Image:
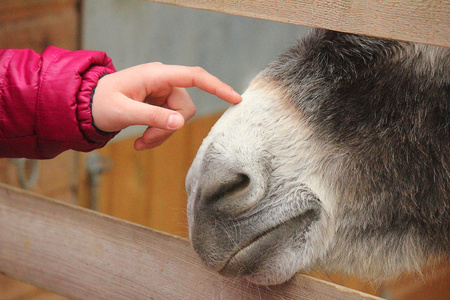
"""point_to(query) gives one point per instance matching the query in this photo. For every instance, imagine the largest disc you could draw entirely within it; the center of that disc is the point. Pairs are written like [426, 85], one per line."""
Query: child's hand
[152, 94]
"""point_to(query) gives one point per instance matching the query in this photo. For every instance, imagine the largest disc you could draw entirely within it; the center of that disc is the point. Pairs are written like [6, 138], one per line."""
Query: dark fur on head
[387, 105]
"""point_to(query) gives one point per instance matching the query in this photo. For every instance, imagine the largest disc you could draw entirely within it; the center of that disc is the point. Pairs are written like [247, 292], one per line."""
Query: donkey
[337, 158]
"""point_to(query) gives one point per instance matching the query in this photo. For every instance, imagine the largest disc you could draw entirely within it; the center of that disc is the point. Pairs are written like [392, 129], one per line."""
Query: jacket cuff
[84, 108]
[63, 114]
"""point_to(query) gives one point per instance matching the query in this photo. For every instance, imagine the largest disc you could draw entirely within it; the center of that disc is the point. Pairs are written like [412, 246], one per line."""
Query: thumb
[128, 112]
[140, 113]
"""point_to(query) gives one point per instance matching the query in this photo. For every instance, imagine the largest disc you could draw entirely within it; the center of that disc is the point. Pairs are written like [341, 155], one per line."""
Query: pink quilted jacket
[45, 101]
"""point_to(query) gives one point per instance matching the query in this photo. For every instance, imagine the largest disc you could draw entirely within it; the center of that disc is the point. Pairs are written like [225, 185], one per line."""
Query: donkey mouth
[262, 251]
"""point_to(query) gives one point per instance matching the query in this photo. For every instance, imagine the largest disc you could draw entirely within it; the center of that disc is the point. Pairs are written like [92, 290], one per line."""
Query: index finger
[170, 76]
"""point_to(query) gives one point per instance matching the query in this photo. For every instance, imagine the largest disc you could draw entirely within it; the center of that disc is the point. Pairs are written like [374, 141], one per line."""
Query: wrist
[102, 132]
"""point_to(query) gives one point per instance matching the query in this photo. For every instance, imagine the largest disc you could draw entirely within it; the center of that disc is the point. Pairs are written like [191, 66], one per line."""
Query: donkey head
[338, 157]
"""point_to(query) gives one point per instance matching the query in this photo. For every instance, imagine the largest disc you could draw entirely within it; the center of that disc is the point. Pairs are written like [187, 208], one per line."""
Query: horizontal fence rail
[83, 254]
[421, 21]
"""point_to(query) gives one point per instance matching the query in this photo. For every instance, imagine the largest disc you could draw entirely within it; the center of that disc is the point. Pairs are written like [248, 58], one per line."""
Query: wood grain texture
[36, 24]
[148, 187]
[56, 178]
[168, 199]
[422, 21]
[431, 283]
[12, 289]
[82, 254]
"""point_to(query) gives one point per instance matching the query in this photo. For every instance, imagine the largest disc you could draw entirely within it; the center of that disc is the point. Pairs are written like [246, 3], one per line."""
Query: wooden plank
[148, 187]
[36, 25]
[167, 171]
[430, 283]
[83, 254]
[196, 131]
[349, 281]
[12, 289]
[422, 21]
[123, 187]
[55, 176]
[13, 9]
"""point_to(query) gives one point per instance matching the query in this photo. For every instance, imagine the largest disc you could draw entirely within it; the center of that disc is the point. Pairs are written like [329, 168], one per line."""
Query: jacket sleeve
[45, 101]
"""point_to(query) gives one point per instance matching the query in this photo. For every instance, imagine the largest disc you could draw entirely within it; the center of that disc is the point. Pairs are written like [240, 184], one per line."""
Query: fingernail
[236, 94]
[175, 121]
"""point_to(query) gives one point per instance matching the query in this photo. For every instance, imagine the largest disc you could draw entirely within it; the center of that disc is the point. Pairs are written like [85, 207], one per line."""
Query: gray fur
[338, 157]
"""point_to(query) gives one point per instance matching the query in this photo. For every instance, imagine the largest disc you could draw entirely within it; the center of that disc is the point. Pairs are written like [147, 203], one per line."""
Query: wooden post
[421, 21]
[83, 254]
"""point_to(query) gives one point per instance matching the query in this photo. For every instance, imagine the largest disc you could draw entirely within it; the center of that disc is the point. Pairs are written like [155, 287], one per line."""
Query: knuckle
[198, 70]
[192, 111]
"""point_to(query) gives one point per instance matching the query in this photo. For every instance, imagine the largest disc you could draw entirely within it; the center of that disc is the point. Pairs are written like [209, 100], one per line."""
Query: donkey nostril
[226, 187]
[226, 190]
[235, 185]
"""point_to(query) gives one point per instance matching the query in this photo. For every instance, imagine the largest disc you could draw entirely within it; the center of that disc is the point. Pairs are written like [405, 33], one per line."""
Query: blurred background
[148, 187]
[233, 48]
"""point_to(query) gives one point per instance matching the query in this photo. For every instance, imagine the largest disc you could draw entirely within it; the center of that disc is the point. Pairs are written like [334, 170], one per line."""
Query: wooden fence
[87, 255]
[421, 21]
[83, 254]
